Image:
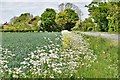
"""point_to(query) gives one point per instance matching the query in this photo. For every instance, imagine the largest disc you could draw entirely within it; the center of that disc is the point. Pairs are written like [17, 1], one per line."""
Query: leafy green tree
[48, 20]
[67, 19]
[98, 11]
[88, 24]
[113, 16]
[72, 17]
[77, 27]
[34, 23]
[61, 20]
[63, 6]
[21, 23]
[24, 23]
[106, 15]
[24, 17]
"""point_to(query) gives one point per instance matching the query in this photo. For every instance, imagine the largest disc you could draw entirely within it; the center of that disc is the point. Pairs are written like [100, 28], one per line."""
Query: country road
[106, 35]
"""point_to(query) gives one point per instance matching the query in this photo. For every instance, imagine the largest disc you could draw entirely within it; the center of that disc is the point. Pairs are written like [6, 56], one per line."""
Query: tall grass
[106, 65]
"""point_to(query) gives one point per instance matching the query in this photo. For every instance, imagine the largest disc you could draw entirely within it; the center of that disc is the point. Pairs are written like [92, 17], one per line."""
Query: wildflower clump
[5, 57]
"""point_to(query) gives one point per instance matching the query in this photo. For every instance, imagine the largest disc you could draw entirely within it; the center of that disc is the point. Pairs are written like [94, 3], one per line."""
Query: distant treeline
[104, 17]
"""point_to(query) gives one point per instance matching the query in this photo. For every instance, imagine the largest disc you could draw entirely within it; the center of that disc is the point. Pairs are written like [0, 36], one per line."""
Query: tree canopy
[103, 16]
[106, 15]
[25, 22]
[64, 6]
[67, 19]
[48, 20]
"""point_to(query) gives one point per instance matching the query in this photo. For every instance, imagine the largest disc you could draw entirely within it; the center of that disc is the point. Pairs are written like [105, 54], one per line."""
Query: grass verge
[106, 65]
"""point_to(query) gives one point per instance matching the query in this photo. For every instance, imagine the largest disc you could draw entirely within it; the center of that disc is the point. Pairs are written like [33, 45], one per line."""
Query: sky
[11, 8]
[46, 0]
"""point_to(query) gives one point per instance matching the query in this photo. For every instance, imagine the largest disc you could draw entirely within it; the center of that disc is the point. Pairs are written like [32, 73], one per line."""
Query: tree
[63, 6]
[72, 17]
[68, 5]
[61, 20]
[105, 14]
[98, 11]
[88, 24]
[24, 17]
[67, 19]
[113, 16]
[12, 21]
[24, 22]
[34, 23]
[48, 20]
[77, 26]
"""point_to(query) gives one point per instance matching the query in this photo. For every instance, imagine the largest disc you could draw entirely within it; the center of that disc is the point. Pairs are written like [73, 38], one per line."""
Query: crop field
[57, 55]
[21, 44]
